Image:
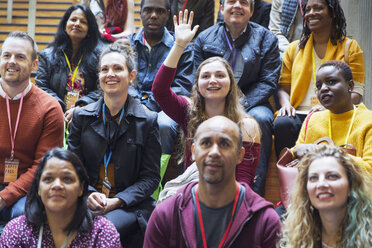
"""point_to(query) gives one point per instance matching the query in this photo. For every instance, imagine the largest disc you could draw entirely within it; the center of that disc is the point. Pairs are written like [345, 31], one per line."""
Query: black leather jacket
[136, 154]
[52, 73]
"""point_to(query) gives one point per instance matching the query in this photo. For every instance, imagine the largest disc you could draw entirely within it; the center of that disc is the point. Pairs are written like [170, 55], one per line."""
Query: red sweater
[40, 129]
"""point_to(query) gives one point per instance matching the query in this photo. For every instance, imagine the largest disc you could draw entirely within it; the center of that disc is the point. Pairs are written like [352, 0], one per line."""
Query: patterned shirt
[19, 233]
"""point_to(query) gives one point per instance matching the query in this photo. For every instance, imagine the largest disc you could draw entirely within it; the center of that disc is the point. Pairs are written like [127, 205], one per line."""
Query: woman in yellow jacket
[323, 38]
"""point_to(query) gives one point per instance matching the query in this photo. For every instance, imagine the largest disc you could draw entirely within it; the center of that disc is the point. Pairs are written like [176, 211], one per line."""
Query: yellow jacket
[297, 69]
[360, 135]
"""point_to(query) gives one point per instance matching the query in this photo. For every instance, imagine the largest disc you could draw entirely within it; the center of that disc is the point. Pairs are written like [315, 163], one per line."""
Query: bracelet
[177, 44]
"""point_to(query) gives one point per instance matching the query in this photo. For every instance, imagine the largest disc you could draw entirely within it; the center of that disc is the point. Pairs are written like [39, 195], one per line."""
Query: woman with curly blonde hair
[214, 92]
[331, 203]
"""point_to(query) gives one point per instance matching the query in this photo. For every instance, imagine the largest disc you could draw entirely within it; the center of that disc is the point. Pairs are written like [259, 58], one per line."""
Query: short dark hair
[24, 36]
[34, 208]
[167, 4]
[63, 42]
[341, 66]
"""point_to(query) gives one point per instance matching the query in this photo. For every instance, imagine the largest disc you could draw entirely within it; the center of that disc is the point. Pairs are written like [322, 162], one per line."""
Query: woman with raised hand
[117, 139]
[214, 92]
[56, 212]
[331, 203]
[67, 68]
[323, 38]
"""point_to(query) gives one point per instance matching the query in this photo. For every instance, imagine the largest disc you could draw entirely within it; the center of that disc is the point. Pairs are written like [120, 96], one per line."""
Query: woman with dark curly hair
[331, 203]
[56, 212]
[323, 38]
[68, 66]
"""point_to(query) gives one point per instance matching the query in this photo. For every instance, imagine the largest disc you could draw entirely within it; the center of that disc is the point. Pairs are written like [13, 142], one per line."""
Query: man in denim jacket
[152, 45]
[253, 53]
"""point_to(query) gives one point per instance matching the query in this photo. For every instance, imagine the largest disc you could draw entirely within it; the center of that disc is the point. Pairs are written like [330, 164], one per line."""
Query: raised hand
[182, 28]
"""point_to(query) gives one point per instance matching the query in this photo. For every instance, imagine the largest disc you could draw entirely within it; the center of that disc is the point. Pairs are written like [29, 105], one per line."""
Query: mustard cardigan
[360, 135]
[297, 69]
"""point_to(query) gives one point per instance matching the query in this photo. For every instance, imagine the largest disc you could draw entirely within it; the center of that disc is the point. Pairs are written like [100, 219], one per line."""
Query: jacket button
[139, 214]
[129, 139]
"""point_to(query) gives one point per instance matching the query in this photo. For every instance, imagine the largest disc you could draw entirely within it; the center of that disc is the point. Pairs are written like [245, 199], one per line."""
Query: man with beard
[152, 45]
[31, 123]
[218, 211]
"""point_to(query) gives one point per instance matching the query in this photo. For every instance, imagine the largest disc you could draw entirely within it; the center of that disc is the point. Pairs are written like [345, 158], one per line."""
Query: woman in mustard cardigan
[323, 38]
[343, 122]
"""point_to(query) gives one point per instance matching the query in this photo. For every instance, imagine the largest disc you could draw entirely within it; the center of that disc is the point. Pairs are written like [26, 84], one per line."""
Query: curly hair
[338, 31]
[302, 225]
[233, 109]
[123, 47]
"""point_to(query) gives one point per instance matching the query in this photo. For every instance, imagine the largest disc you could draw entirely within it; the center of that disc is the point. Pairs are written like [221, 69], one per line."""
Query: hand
[287, 109]
[317, 108]
[300, 150]
[182, 29]
[97, 202]
[69, 113]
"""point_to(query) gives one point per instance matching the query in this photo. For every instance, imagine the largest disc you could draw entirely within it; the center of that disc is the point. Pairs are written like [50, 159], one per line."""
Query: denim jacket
[260, 54]
[149, 62]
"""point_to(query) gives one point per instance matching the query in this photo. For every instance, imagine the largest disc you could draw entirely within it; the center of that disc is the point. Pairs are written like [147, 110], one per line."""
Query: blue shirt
[148, 63]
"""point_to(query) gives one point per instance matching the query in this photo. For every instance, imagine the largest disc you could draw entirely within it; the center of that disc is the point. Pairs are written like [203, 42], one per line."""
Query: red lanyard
[12, 137]
[184, 7]
[201, 219]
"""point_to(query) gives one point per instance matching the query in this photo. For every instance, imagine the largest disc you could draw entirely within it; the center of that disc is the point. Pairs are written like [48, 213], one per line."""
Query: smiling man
[152, 45]
[31, 123]
[218, 211]
[253, 54]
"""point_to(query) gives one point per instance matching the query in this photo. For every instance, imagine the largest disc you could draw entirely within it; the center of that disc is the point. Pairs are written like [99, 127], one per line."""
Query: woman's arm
[286, 107]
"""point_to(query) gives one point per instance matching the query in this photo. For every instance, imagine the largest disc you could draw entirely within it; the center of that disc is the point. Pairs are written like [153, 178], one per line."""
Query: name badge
[314, 101]
[11, 170]
[71, 98]
[106, 187]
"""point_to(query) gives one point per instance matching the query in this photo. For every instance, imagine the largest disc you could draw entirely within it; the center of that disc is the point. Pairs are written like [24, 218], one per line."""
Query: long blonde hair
[302, 225]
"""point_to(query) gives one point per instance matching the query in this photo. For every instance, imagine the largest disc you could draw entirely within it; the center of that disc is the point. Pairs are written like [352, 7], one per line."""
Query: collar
[133, 108]
[28, 88]
[242, 39]
[167, 39]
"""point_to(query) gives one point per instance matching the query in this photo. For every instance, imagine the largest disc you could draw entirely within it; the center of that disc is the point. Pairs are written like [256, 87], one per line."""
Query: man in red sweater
[31, 123]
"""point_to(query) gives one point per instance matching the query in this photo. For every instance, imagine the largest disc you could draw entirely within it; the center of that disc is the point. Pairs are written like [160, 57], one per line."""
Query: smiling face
[333, 91]
[236, 13]
[77, 26]
[317, 15]
[16, 62]
[215, 150]
[114, 77]
[327, 185]
[154, 16]
[214, 81]
[59, 187]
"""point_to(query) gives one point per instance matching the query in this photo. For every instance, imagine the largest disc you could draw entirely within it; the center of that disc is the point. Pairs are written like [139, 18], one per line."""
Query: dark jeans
[286, 131]
[264, 117]
[13, 211]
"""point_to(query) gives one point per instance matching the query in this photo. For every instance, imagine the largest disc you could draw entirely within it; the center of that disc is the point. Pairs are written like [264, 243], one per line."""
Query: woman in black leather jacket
[117, 139]
[68, 66]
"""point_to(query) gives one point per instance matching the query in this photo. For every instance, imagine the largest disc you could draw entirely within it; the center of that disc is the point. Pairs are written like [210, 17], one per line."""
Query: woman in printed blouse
[215, 92]
[56, 212]
[67, 68]
[323, 38]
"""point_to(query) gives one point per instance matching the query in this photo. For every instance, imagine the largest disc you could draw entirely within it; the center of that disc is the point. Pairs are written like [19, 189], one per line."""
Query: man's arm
[183, 80]
[275, 23]
[51, 136]
[157, 234]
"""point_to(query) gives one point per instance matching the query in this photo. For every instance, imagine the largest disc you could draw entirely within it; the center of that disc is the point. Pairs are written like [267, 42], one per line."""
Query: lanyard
[201, 218]
[12, 137]
[314, 71]
[233, 50]
[41, 237]
[106, 159]
[75, 71]
[184, 6]
[351, 125]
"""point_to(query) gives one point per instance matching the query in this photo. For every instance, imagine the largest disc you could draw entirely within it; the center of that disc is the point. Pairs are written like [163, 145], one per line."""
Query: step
[40, 20]
[15, 5]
